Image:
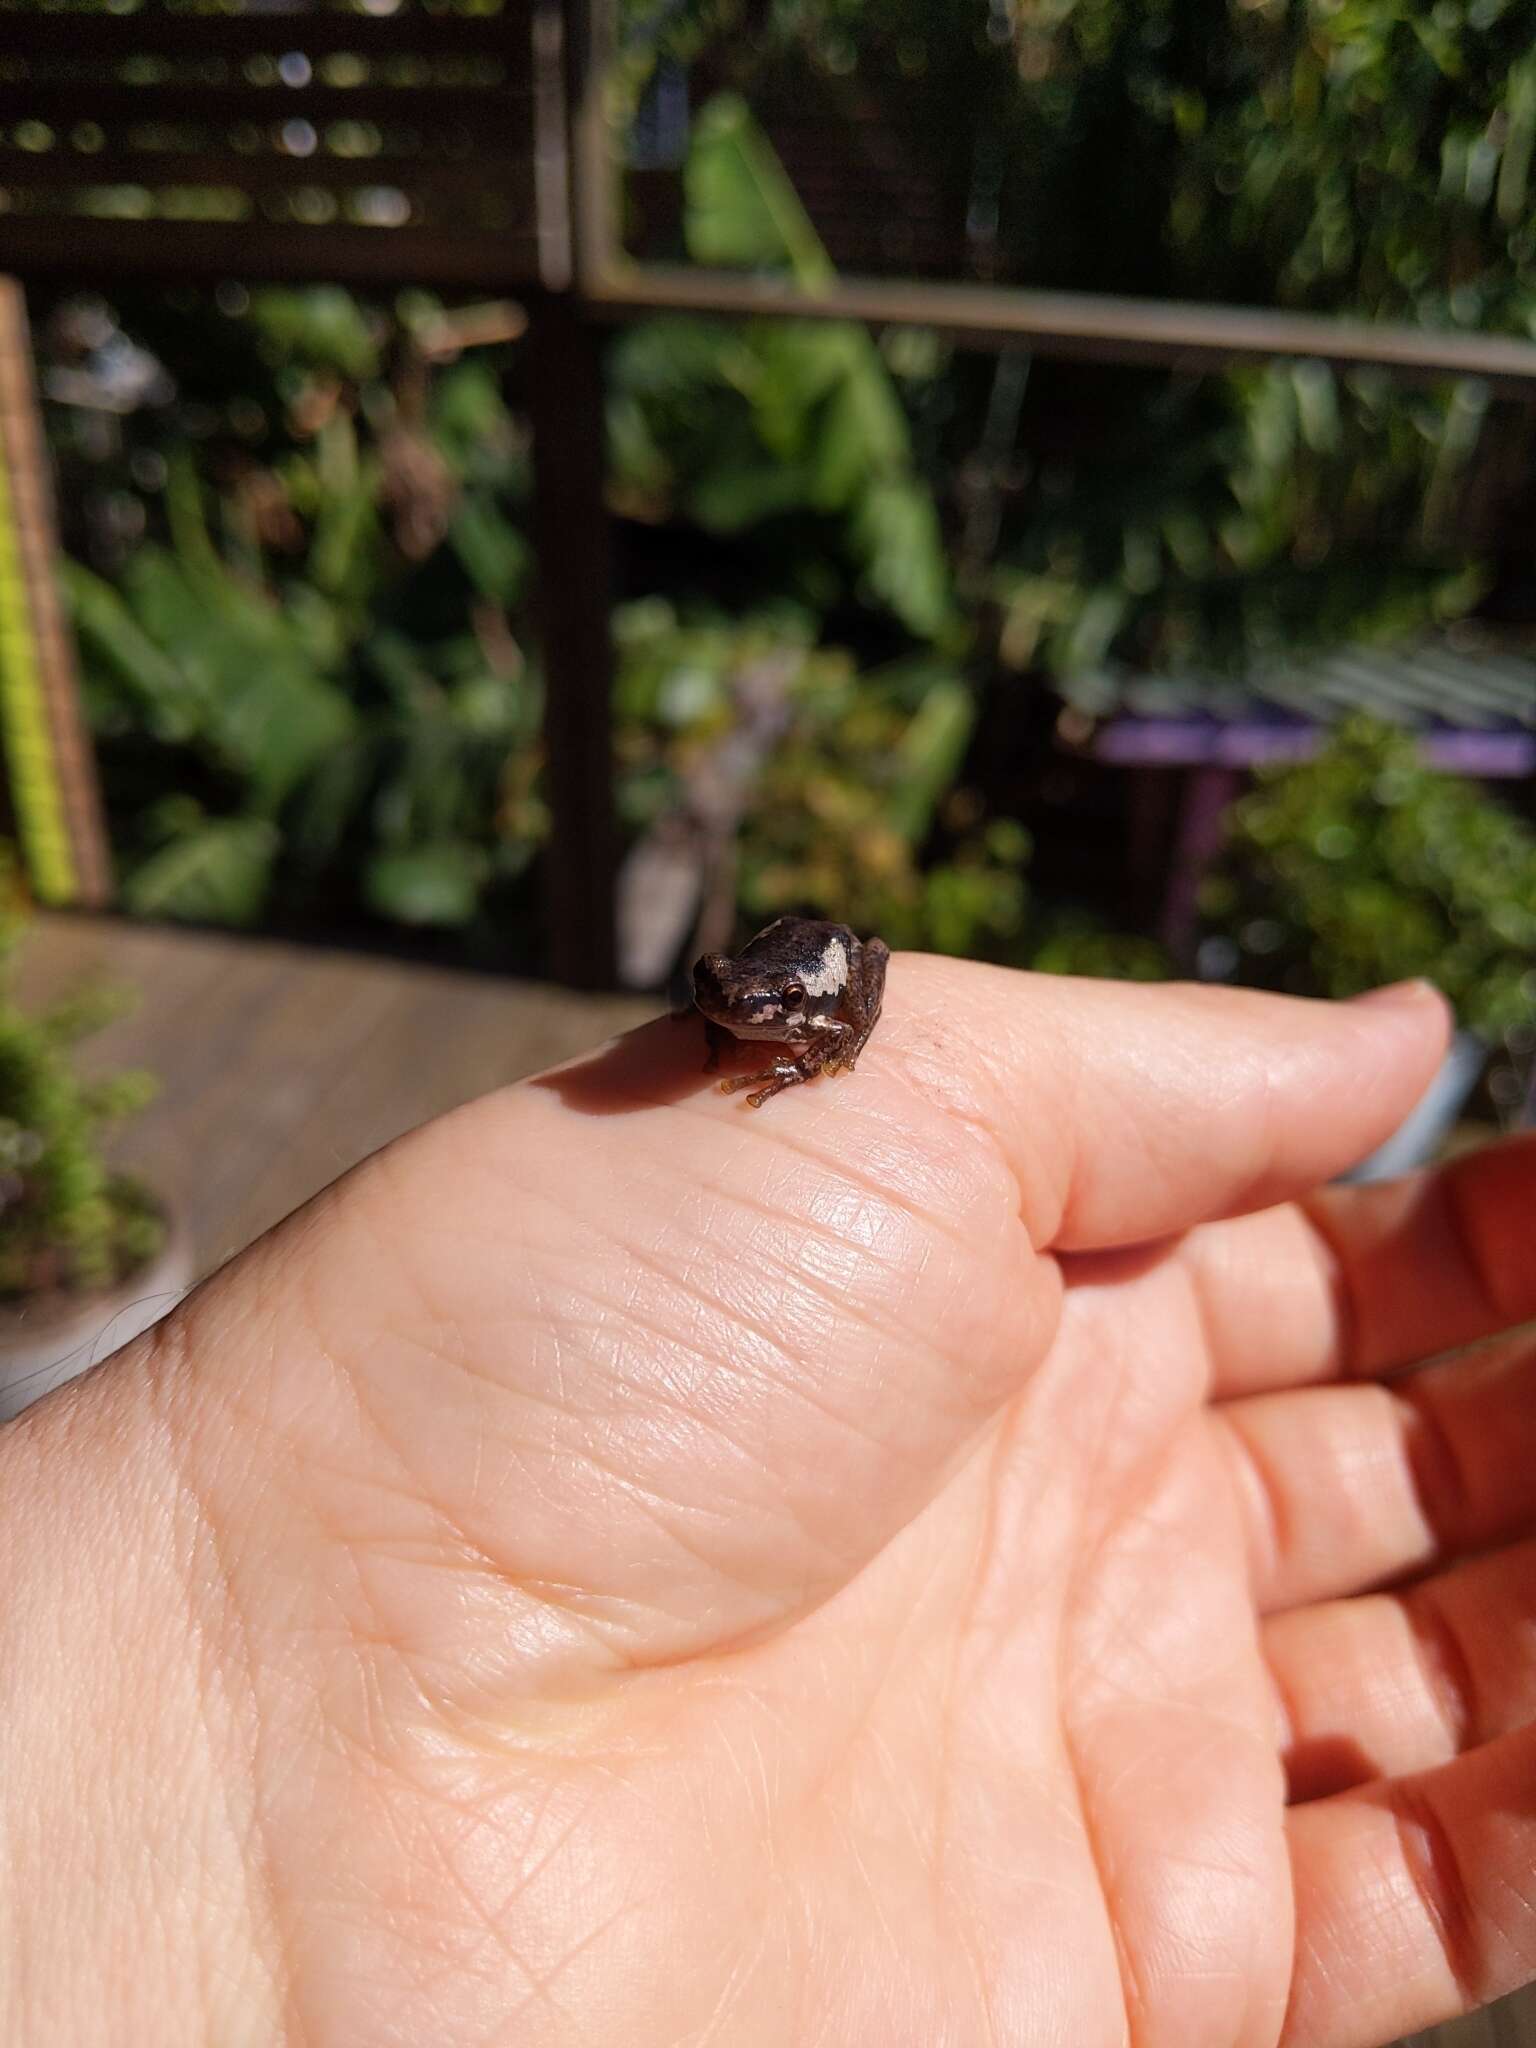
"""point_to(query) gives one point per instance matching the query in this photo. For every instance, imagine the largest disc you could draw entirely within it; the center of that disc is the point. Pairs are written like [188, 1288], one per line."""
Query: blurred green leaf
[429, 885]
[216, 871]
[928, 757]
[742, 210]
[496, 558]
[321, 326]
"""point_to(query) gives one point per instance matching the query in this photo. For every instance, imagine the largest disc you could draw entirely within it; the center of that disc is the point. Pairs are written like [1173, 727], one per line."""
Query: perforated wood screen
[420, 141]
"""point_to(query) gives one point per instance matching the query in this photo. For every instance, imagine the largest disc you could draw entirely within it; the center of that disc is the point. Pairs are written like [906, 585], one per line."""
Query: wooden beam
[501, 116]
[1166, 332]
[90, 249]
[463, 177]
[74, 36]
[575, 572]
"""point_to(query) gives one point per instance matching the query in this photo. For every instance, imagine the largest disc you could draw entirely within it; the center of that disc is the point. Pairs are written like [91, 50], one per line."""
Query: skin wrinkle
[262, 1891]
[1132, 1992]
[789, 1270]
[1286, 1719]
[1261, 1488]
[1444, 1667]
[834, 1231]
[1093, 1456]
[889, 1191]
[785, 1381]
[1431, 1861]
[1442, 1486]
[1133, 1770]
[766, 1330]
[1342, 1287]
[942, 1816]
[1204, 1347]
[163, 1361]
[348, 1546]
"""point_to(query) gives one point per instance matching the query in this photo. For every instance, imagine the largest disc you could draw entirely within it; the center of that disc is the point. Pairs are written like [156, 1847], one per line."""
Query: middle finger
[1348, 1487]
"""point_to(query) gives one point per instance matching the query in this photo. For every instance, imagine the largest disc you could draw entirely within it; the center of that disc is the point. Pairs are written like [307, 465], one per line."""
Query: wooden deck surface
[282, 1066]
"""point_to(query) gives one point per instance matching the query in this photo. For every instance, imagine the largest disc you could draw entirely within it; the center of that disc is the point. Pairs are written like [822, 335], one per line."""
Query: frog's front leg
[861, 1004]
[784, 1073]
[717, 1038]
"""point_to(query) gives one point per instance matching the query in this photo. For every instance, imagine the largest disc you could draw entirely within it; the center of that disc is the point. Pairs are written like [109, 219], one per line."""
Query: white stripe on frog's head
[830, 975]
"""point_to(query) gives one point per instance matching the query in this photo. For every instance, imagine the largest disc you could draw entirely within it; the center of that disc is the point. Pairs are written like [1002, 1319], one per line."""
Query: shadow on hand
[656, 1063]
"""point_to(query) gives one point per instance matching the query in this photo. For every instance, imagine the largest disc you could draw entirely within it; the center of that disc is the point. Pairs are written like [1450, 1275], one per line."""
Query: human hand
[621, 1567]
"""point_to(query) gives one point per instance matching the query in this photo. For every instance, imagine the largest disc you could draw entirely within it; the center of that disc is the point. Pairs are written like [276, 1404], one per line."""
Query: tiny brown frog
[808, 986]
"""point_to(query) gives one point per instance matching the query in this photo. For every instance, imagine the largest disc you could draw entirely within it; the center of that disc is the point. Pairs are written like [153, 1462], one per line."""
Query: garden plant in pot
[88, 1255]
[1363, 866]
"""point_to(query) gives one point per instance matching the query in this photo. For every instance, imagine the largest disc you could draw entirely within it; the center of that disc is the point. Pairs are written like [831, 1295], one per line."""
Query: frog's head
[751, 1000]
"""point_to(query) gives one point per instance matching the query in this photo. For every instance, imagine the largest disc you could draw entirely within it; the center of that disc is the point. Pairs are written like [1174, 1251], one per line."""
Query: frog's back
[795, 938]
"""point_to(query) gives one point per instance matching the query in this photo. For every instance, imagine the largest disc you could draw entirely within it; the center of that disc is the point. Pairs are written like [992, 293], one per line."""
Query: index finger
[1359, 1283]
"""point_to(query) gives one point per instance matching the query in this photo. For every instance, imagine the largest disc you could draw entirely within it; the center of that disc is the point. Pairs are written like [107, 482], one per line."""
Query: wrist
[129, 1900]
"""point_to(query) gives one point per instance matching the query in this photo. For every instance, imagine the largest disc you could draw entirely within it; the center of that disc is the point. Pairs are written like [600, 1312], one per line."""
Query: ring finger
[1393, 1683]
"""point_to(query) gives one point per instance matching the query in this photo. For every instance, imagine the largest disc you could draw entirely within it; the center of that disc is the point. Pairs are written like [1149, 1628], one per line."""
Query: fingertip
[1413, 1024]
[1417, 998]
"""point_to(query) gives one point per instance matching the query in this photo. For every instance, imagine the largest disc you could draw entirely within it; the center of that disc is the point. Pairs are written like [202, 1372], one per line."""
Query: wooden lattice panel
[420, 141]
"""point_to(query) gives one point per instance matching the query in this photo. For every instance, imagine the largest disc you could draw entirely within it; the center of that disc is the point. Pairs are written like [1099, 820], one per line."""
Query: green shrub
[1364, 866]
[67, 1221]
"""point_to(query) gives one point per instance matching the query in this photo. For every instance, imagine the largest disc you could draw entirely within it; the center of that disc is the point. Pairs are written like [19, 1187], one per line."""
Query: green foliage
[1075, 943]
[854, 813]
[66, 1220]
[1363, 866]
[1370, 157]
[795, 426]
[317, 694]
[1240, 520]
[203, 870]
[305, 646]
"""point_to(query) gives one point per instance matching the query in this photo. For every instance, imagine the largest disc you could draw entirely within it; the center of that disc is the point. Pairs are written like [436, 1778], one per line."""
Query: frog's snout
[707, 982]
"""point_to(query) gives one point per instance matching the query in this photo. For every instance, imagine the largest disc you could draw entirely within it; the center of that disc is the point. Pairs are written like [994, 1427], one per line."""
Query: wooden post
[575, 572]
[49, 763]
[572, 531]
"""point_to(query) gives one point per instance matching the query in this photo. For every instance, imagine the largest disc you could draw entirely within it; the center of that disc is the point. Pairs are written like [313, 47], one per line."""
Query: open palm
[894, 1567]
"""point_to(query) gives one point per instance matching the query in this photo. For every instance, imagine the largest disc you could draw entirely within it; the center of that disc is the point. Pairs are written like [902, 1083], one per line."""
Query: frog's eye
[792, 996]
